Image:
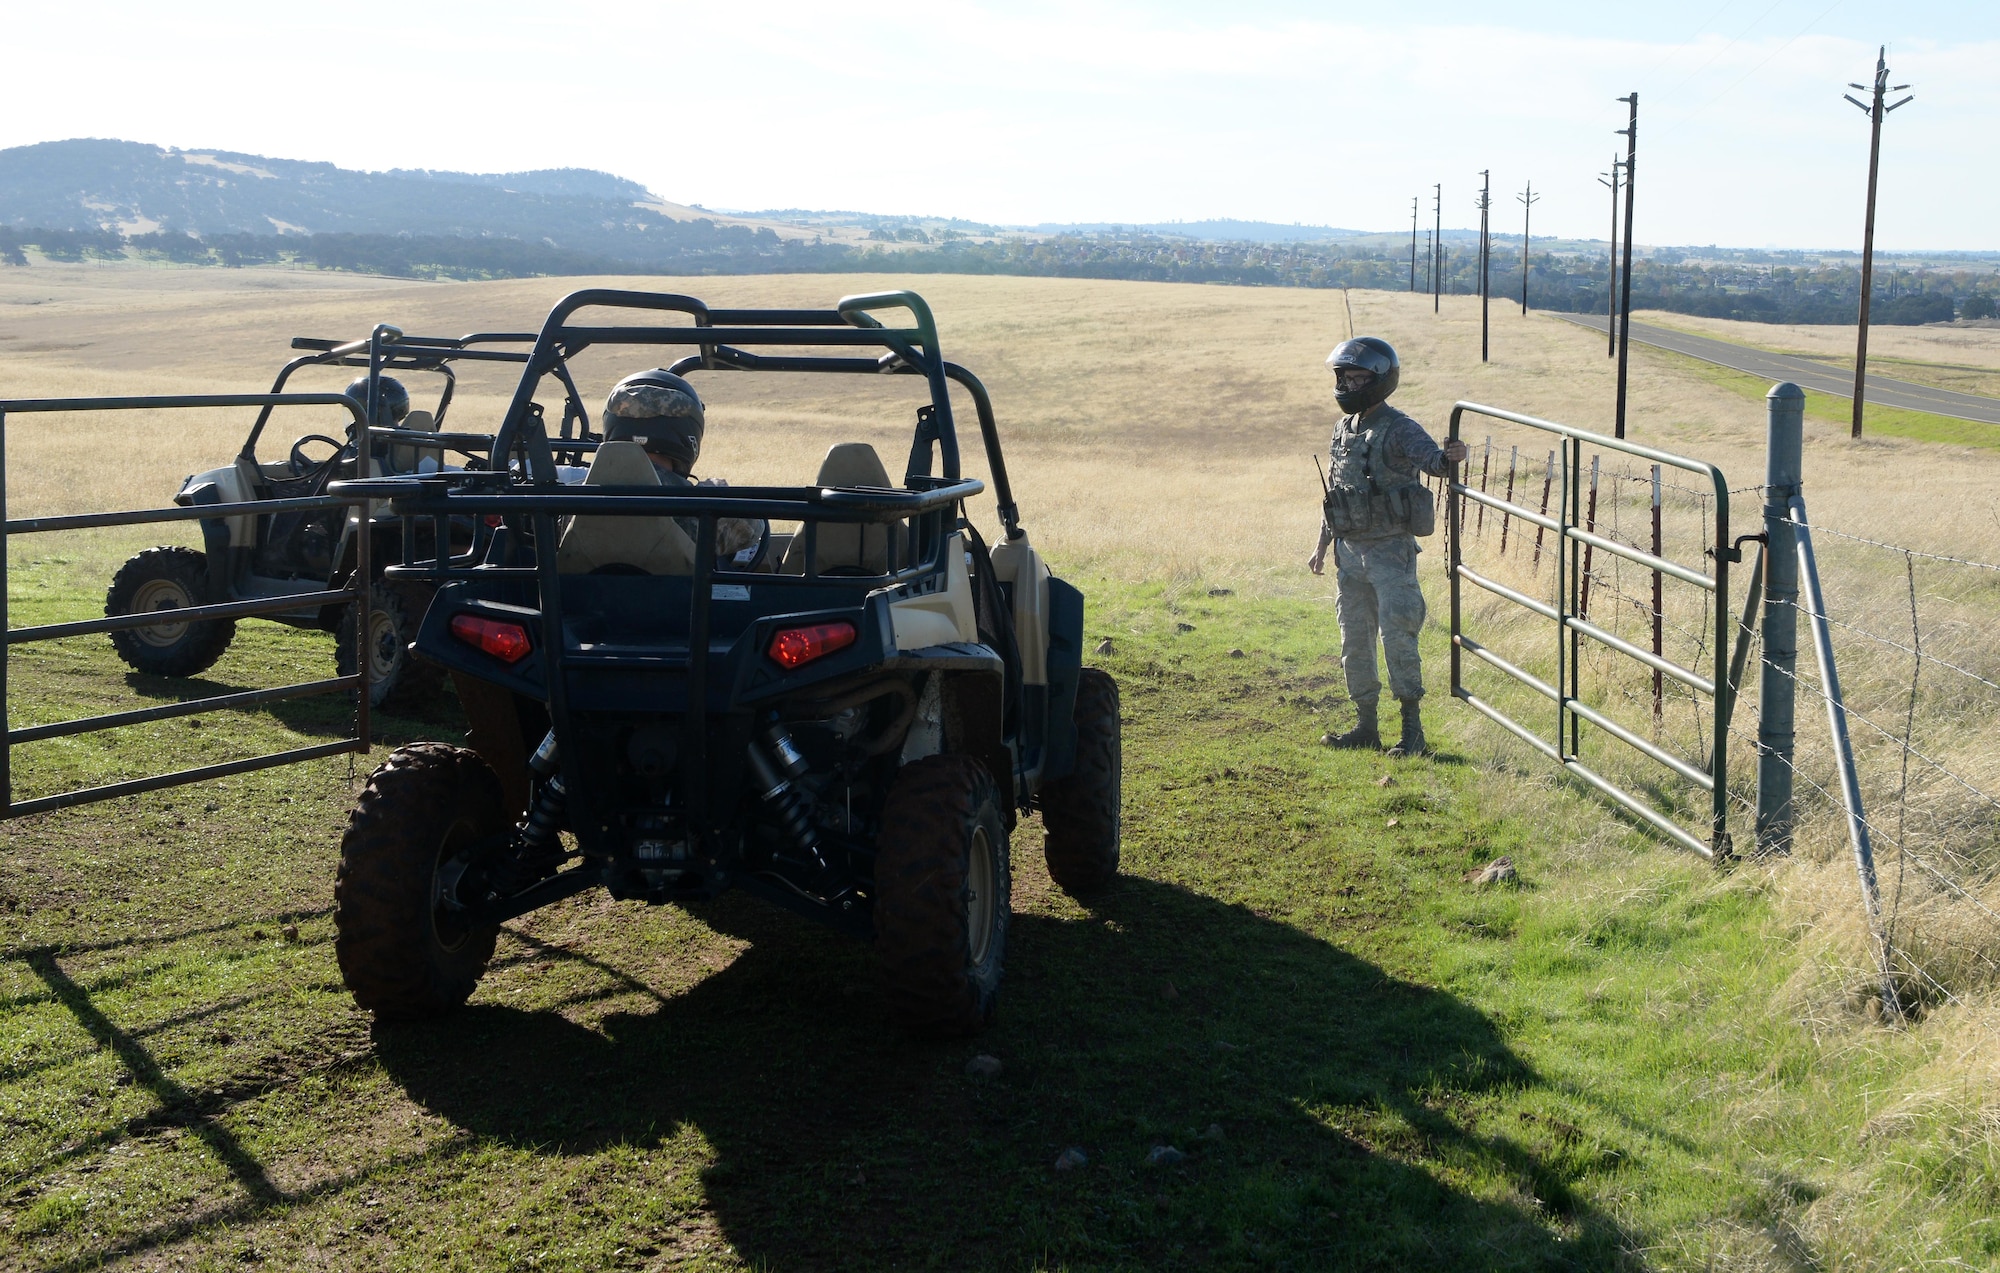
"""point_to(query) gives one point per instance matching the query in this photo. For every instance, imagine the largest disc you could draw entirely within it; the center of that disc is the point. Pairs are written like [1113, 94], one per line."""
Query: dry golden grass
[1153, 431]
[1145, 423]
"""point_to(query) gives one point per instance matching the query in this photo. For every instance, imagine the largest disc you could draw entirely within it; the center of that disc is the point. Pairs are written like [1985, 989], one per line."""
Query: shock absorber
[778, 787]
[544, 820]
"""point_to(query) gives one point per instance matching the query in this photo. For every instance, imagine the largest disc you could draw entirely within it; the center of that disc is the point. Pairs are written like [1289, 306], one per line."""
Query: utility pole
[1875, 111]
[1613, 179]
[1413, 244]
[1430, 261]
[1631, 134]
[1528, 200]
[1485, 258]
[1437, 247]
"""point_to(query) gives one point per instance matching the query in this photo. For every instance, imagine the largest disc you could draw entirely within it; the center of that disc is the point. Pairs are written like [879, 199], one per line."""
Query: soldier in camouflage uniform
[1376, 506]
[662, 413]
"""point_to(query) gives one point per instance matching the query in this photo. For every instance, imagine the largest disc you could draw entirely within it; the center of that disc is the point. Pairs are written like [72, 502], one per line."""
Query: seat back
[654, 545]
[849, 548]
[404, 456]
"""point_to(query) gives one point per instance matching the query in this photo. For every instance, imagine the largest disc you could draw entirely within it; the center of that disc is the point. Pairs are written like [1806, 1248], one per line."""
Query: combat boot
[1366, 734]
[1412, 742]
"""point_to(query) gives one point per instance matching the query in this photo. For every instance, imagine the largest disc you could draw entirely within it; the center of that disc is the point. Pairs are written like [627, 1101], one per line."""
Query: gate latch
[1734, 554]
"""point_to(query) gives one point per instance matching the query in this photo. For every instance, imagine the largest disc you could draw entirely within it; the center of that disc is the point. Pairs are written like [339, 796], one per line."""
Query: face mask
[1354, 397]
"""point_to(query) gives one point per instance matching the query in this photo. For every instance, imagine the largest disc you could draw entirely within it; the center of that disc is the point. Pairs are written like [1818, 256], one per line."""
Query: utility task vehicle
[848, 724]
[291, 552]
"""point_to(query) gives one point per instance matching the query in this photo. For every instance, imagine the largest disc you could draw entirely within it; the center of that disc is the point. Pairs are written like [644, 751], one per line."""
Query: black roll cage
[386, 349]
[928, 508]
[718, 335]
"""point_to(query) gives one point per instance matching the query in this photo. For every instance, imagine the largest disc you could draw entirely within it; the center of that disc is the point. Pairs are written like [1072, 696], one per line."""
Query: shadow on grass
[323, 715]
[1165, 1018]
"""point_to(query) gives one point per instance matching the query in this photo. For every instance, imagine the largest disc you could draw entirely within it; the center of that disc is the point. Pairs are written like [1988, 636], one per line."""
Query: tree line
[1576, 283]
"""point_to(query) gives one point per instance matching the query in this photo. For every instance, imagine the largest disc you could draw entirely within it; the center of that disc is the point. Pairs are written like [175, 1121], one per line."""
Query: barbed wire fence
[1919, 678]
[1921, 704]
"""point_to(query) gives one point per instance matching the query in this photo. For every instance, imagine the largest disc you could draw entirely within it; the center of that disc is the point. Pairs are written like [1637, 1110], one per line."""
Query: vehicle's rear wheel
[942, 895]
[1081, 811]
[404, 952]
[397, 680]
[166, 579]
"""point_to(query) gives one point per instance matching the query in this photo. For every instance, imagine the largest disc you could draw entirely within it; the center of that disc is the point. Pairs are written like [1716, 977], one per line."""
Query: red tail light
[796, 647]
[505, 641]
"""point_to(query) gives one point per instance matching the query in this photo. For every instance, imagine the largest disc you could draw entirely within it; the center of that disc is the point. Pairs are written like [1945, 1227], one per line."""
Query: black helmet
[1365, 353]
[392, 401]
[658, 410]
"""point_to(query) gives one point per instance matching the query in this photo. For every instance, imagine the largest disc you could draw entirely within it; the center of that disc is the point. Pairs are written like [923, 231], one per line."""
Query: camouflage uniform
[1375, 569]
[736, 538]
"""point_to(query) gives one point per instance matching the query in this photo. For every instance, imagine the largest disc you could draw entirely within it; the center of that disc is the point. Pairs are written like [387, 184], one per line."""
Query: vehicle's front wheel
[396, 679]
[1081, 811]
[405, 951]
[942, 895]
[166, 579]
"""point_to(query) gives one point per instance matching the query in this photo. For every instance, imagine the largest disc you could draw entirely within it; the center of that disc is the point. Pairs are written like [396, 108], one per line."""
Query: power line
[1528, 199]
[1437, 248]
[1614, 179]
[1413, 244]
[1631, 134]
[1875, 110]
[1485, 258]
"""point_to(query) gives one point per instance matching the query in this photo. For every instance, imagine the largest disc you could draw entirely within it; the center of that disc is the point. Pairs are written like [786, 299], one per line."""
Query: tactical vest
[1371, 496]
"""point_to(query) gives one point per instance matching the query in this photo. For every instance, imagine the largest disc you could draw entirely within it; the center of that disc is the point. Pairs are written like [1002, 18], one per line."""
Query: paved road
[1808, 373]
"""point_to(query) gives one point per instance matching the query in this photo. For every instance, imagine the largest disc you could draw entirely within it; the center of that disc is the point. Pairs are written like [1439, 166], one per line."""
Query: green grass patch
[1961, 377]
[1365, 1061]
[1876, 421]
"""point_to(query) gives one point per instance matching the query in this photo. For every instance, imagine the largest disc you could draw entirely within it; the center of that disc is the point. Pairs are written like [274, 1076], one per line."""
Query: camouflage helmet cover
[658, 410]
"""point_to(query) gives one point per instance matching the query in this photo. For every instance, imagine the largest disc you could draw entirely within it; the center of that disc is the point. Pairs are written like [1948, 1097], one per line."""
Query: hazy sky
[1332, 113]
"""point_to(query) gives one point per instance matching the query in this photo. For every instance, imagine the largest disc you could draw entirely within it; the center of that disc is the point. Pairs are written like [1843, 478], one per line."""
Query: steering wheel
[301, 465]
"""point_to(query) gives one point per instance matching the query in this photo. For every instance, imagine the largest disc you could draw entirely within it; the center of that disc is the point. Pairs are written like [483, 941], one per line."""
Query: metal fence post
[6, 650]
[1778, 685]
[1659, 610]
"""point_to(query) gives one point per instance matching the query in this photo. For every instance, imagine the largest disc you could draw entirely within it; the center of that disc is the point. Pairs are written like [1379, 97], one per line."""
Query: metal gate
[356, 592]
[1571, 627]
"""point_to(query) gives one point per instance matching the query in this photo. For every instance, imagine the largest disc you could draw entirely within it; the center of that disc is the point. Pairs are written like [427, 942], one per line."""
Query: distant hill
[105, 200]
[93, 185]
[568, 183]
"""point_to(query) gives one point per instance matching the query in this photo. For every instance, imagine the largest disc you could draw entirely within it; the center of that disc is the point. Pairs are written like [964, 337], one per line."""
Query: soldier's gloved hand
[1317, 562]
[1455, 451]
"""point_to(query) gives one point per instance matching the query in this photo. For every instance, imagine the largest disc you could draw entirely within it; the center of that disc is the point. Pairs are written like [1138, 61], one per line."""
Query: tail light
[796, 647]
[505, 641]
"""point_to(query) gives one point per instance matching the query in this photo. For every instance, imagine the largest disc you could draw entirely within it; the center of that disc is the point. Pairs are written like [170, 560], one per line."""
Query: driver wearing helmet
[1376, 506]
[392, 404]
[663, 414]
[392, 401]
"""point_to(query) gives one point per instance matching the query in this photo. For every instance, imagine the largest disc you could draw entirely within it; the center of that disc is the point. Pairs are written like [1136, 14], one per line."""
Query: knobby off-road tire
[401, 953]
[1081, 811]
[166, 579]
[396, 679]
[942, 895]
